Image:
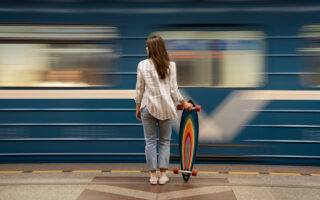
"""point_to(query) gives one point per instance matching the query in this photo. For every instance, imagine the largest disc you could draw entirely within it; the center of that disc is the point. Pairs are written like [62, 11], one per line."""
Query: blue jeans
[150, 134]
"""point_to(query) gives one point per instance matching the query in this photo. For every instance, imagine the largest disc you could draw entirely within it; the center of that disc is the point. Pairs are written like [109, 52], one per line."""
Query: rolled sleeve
[174, 91]
[139, 85]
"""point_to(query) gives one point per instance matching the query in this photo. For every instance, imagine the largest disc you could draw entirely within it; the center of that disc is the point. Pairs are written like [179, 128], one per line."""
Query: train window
[311, 52]
[56, 55]
[219, 59]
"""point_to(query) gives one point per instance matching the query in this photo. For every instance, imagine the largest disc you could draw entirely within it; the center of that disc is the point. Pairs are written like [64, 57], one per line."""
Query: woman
[156, 95]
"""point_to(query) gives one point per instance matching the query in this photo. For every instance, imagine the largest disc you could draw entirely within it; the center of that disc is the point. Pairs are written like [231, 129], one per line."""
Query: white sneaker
[153, 179]
[163, 179]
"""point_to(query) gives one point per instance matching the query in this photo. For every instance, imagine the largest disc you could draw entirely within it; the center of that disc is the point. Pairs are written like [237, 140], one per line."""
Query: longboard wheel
[179, 107]
[194, 172]
[198, 108]
[176, 170]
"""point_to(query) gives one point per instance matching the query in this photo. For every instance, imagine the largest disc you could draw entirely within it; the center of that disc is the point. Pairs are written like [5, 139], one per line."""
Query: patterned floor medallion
[133, 188]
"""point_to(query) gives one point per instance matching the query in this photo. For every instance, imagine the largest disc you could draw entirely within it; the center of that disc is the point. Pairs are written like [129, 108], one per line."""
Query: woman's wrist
[183, 102]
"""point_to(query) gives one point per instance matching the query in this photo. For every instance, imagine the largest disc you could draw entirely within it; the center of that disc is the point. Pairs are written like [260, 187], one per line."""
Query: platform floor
[130, 181]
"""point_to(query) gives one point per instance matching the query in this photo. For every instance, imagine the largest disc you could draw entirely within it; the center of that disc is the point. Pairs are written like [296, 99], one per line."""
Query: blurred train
[68, 76]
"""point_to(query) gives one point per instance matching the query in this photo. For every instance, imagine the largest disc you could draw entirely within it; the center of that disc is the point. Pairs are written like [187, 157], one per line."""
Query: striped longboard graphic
[188, 140]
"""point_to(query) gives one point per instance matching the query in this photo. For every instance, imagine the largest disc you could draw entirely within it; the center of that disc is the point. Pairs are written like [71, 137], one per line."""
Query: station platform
[130, 182]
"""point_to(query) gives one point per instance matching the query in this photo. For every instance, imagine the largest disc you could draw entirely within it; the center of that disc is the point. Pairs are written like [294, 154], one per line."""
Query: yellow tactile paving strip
[284, 174]
[246, 173]
[11, 172]
[139, 171]
[315, 174]
[46, 171]
[86, 171]
[125, 171]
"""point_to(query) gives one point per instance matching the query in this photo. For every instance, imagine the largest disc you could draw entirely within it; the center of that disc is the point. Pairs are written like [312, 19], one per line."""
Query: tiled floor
[130, 181]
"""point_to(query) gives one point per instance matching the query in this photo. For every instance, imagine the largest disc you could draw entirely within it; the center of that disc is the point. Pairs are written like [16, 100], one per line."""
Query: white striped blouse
[160, 96]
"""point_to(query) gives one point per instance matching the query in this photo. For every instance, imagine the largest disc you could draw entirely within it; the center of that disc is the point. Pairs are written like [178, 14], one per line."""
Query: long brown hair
[159, 56]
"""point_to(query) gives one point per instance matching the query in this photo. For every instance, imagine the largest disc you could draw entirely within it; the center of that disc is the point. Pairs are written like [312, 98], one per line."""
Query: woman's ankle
[163, 170]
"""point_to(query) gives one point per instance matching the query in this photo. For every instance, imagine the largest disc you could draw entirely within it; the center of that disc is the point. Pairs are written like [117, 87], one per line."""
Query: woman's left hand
[138, 114]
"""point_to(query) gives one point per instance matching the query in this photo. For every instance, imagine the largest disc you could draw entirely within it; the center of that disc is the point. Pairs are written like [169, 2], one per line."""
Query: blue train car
[68, 75]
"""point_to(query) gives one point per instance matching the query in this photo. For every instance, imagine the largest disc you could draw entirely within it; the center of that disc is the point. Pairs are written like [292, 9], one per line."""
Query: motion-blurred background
[68, 75]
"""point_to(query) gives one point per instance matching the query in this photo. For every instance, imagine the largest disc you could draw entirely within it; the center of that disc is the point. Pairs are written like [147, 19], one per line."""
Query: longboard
[188, 141]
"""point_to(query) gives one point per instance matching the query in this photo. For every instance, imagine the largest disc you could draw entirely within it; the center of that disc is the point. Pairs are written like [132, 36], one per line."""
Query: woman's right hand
[138, 115]
[138, 112]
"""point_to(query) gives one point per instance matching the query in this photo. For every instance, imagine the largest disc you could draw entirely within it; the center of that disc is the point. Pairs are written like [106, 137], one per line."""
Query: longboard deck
[188, 140]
